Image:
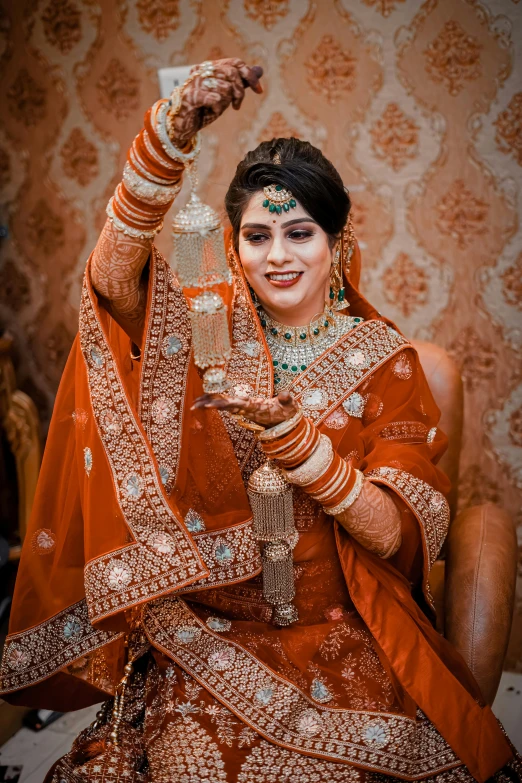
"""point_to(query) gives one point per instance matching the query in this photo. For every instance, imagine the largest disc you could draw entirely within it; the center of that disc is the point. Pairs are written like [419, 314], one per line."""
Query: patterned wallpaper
[417, 104]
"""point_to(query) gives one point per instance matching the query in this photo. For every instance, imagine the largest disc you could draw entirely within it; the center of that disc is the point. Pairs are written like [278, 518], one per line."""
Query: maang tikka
[277, 198]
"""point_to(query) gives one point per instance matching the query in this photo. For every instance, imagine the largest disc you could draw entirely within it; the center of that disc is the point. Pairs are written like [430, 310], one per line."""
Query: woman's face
[286, 259]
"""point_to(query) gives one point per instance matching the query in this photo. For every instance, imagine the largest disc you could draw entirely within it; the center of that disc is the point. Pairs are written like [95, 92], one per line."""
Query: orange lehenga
[142, 535]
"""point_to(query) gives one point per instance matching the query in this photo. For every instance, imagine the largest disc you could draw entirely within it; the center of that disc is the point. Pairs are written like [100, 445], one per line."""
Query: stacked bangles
[309, 461]
[151, 177]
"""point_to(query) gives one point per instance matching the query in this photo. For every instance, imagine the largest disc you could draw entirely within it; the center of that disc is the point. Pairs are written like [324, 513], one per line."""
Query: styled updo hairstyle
[313, 181]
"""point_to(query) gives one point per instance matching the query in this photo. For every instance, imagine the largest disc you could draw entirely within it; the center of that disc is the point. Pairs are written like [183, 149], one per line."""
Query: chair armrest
[481, 565]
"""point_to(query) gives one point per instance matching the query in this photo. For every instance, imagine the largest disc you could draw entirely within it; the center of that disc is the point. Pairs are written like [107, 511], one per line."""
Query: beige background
[415, 103]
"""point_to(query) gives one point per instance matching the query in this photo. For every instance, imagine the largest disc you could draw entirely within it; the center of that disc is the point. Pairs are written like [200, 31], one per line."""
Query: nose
[278, 253]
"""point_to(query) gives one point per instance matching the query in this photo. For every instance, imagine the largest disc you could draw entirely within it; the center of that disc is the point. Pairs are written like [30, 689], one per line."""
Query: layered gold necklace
[294, 348]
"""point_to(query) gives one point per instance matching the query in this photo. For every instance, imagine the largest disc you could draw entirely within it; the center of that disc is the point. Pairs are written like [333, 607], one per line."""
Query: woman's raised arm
[151, 181]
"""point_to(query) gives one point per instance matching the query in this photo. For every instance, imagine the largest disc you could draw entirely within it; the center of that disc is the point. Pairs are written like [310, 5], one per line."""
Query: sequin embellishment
[87, 460]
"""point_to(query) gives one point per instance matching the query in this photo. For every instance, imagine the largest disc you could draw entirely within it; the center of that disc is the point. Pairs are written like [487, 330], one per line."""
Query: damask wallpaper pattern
[417, 103]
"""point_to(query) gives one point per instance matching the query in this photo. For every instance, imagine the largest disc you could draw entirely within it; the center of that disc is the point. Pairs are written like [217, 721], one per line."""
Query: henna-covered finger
[252, 76]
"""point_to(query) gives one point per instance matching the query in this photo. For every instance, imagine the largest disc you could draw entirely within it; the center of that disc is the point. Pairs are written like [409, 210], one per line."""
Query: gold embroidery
[136, 572]
[165, 361]
[34, 655]
[333, 378]
[284, 714]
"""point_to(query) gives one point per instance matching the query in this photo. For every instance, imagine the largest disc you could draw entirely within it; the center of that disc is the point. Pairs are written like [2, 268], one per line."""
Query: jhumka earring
[342, 258]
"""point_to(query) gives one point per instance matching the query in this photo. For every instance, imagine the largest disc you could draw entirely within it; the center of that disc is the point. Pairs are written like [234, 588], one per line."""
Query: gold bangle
[350, 498]
[283, 428]
[314, 466]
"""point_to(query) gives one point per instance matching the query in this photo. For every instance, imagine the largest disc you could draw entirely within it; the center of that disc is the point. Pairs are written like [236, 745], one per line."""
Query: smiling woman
[243, 577]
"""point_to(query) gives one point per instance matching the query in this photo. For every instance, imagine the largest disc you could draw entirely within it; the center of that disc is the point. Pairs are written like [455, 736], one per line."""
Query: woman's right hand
[206, 95]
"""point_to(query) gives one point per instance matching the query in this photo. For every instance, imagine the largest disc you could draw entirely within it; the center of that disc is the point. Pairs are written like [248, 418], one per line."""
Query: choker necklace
[295, 348]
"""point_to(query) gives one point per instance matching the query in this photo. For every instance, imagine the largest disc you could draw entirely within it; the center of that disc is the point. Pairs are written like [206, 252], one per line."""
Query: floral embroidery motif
[111, 424]
[223, 553]
[319, 692]
[376, 733]
[80, 418]
[242, 683]
[222, 659]
[264, 695]
[95, 357]
[354, 405]
[16, 657]
[161, 410]
[314, 399]
[171, 345]
[231, 554]
[373, 407]
[337, 420]
[72, 630]
[218, 624]
[309, 723]
[357, 359]
[186, 634]
[87, 460]
[132, 486]
[162, 543]
[118, 576]
[250, 348]
[43, 541]
[430, 437]
[402, 368]
[347, 365]
[194, 522]
[43, 650]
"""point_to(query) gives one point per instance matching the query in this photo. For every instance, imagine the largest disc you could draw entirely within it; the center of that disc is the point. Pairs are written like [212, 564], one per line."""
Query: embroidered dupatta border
[429, 506]
[163, 556]
[232, 555]
[347, 364]
[165, 364]
[36, 654]
[279, 711]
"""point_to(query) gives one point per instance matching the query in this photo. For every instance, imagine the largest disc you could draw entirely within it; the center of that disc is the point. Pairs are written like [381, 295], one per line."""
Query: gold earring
[337, 292]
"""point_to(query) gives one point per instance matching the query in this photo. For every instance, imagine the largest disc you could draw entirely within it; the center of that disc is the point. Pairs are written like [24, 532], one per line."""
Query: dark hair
[311, 178]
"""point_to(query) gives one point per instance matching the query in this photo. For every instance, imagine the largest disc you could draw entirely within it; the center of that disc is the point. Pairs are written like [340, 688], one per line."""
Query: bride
[242, 577]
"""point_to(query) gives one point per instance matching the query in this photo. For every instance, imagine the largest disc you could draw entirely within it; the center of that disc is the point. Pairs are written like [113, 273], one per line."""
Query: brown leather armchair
[474, 584]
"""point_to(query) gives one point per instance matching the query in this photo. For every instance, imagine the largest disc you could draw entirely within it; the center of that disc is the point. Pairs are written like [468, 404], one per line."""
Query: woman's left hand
[261, 411]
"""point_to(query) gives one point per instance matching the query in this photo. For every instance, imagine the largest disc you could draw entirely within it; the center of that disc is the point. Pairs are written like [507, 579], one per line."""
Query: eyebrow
[283, 225]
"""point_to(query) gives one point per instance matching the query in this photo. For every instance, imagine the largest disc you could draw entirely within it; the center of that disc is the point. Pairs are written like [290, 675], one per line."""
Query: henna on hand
[205, 98]
[267, 412]
[374, 521]
[116, 274]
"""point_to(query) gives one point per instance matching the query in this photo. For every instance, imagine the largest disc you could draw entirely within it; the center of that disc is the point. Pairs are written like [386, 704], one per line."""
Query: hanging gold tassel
[271, 501]
[199, 258]
[199, 261]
